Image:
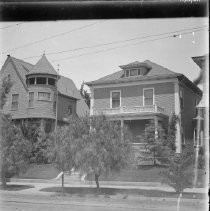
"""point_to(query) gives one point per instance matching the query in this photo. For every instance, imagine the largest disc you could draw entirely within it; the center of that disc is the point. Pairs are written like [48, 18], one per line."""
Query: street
[29, 202]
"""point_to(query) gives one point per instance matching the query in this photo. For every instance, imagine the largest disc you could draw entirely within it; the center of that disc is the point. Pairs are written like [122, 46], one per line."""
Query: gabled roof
[156, 72]
[135, 64]
[43, 66]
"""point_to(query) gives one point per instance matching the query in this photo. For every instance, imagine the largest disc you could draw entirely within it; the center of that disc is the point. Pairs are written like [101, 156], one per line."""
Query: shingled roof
[43, 66]
[155, 71]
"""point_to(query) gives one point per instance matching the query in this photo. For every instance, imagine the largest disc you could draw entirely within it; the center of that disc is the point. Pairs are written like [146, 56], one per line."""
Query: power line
[47, 38]
[6, 27]
[116, 42]
[104, 50]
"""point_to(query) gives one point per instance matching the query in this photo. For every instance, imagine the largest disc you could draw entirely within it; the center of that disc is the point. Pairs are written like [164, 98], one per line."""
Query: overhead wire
[51, 37]
[99, 51]
[115, 42]
[6, 27]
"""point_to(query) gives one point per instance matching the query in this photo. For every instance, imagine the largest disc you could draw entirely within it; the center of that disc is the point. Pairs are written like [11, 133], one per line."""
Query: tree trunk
[3, 178]
[62, 180]
[96, 179]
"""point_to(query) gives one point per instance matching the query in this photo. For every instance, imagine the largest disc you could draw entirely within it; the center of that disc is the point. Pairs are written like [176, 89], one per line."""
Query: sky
[88, 54]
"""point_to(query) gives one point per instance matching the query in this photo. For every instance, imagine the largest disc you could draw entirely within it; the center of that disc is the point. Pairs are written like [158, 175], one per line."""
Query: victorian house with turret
[144, 91]
[39, 93]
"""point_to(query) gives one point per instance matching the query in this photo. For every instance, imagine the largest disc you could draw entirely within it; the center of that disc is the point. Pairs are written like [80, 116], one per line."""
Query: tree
[171, 136]
[14, 148]
[154, 142]
[65, 143]
[107, 148]
[34, 131]
[85, 94]
[103, 148]
[180, 171]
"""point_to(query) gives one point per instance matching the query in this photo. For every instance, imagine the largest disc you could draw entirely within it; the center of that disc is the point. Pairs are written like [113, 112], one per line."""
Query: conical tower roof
[43, 66]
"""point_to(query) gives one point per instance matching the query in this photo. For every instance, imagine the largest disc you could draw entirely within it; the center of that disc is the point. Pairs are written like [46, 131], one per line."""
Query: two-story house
[39, 93]
[144, 91]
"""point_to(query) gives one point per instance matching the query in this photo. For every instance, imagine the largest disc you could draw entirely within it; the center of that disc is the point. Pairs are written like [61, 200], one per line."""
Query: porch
[129, 110]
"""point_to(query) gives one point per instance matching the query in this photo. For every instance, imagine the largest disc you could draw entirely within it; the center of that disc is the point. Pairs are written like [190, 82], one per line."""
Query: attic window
[133, 72]
[41, 80]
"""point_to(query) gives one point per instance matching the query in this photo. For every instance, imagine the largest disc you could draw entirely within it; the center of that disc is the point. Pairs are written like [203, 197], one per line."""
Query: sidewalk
[107, 184]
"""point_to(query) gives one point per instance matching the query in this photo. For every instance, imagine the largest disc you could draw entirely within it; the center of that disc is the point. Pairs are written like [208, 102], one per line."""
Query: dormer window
[133, 72]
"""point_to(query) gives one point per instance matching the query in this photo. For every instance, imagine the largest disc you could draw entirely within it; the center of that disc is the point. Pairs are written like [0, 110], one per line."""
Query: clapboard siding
[133, 96]
[63, 104]
[17, 88]
[189, 111]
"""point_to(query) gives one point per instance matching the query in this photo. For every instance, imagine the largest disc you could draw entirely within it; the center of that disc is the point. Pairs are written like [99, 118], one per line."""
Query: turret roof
[43, 66]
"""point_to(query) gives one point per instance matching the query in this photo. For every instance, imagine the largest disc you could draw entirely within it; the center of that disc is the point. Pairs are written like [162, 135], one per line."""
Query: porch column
[178, 124]
[122, 126]
[156, 127]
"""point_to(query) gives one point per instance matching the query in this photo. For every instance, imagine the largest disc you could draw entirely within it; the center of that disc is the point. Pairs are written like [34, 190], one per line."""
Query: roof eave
[149, 78]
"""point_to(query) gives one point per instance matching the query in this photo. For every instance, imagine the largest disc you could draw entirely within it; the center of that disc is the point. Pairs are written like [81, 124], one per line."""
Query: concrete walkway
[106, 184]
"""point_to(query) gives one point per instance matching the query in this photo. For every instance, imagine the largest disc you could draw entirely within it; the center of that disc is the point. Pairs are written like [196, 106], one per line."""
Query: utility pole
[56, 111]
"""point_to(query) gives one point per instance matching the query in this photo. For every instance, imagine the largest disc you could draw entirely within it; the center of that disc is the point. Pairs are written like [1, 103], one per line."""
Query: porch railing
[129, 110]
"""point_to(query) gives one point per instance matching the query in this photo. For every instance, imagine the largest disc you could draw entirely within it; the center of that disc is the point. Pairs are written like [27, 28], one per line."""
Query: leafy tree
[85, 94]
[107, 148]
[14, 148]
[6, 85]
[154, 142]
[180, 171]
[171, 136]
[64, 143]
[34, 131]
[103, 148]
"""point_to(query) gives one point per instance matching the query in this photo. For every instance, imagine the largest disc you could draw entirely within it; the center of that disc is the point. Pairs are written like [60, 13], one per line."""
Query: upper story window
[148, 96]
[115, 99]
[31, 99]
[181, 100]
[44, 96]
[31, 81]
[70, 110]
[51, 81]
[15, 98]
[41, 80]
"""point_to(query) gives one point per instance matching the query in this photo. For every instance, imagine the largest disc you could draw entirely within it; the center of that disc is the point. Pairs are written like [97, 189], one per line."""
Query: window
[44, 96]
[51, 81]
[31, 81]
[181, 100]
[41, 80]
[148, 96]
[127, 73]
[31, 99]
[15, 101]
[70, 110]
[115, 99]
[133, 72]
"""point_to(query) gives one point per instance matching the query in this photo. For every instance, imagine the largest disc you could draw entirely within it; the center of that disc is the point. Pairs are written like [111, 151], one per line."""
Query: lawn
[45, 171]
[145, 173]
[83, 191]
